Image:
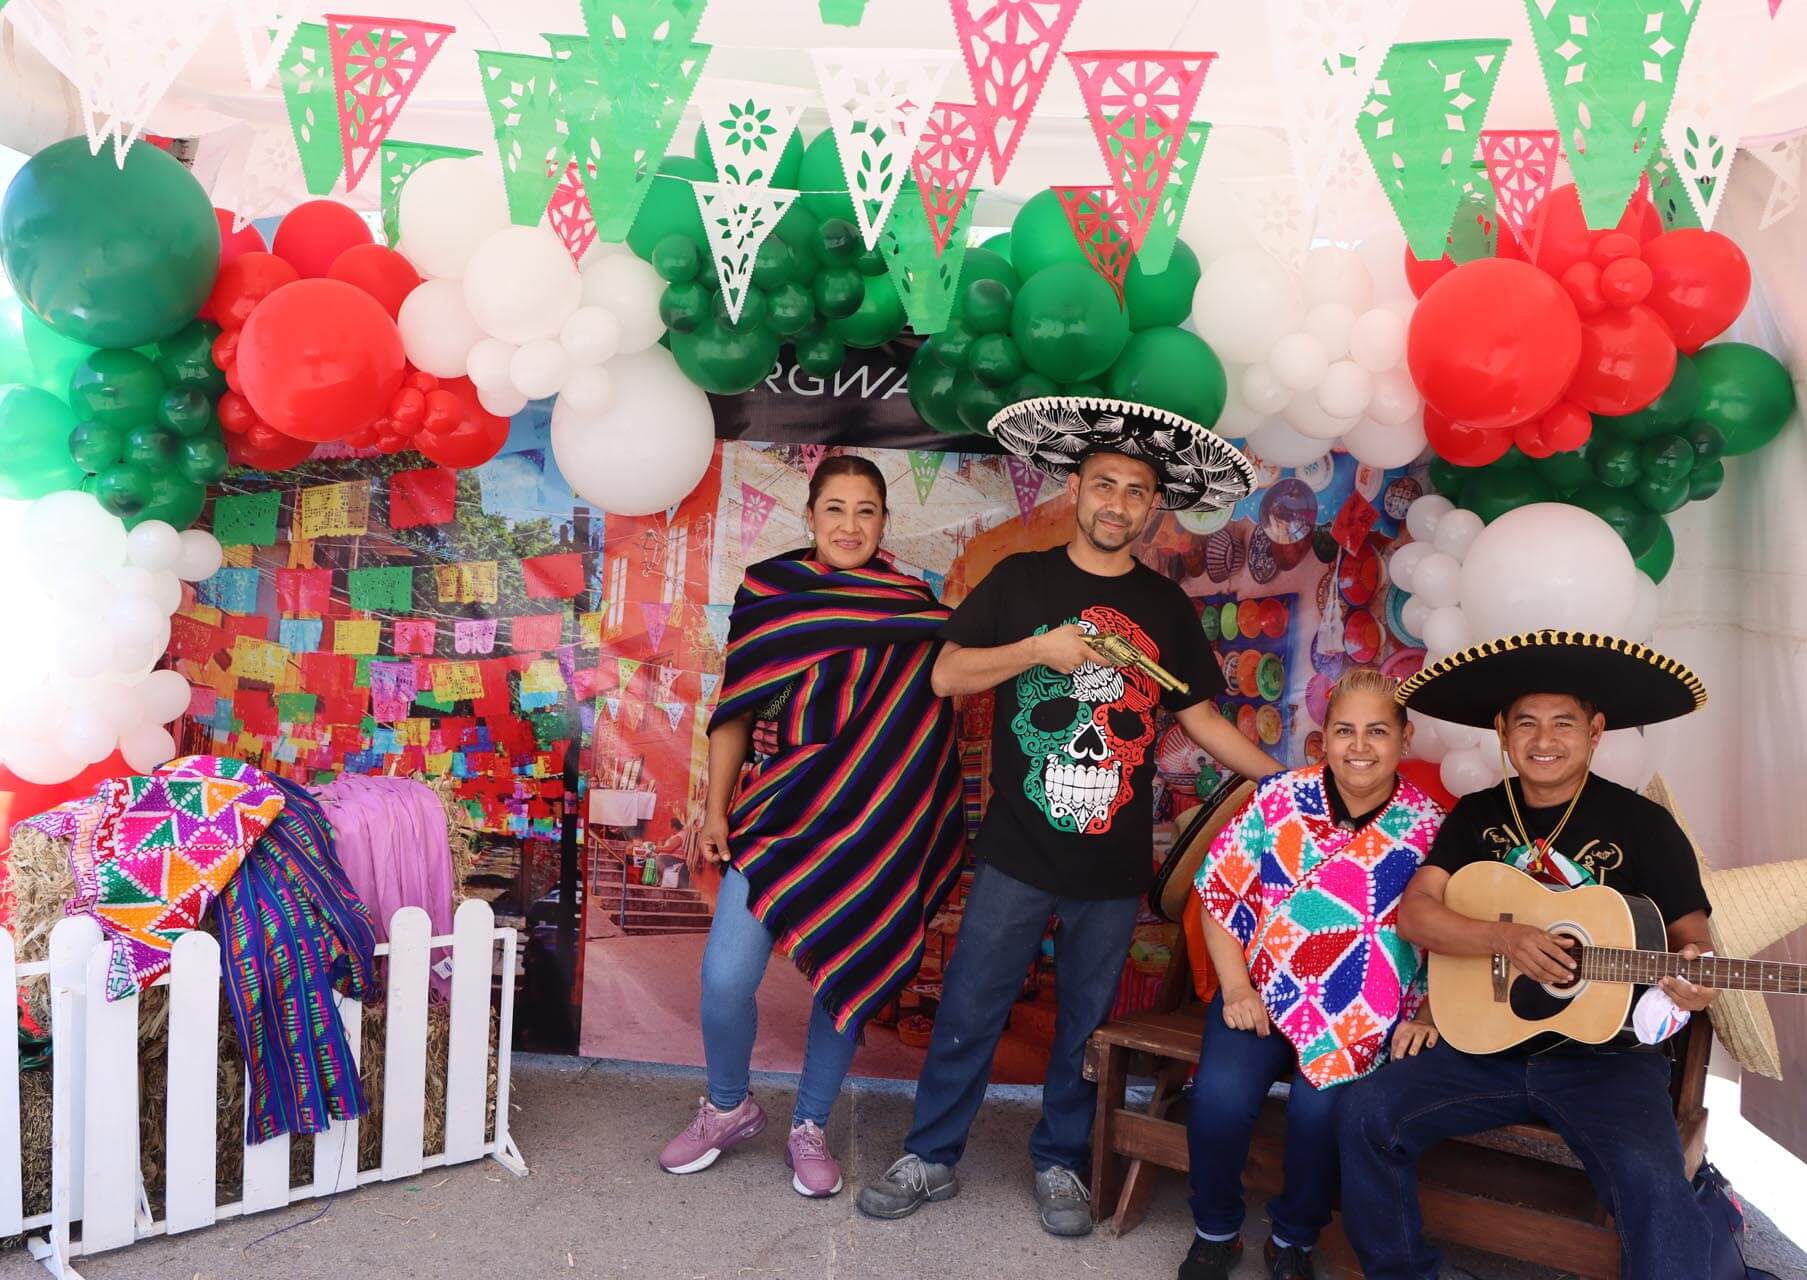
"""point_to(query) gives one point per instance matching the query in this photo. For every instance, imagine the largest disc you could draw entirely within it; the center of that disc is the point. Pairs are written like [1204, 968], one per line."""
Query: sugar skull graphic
[1085, 734]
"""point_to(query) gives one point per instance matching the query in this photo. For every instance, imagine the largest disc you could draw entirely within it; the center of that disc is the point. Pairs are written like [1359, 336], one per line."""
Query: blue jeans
[999, 938]
[1612, 1109]
[1235, 1071]
[733, 963]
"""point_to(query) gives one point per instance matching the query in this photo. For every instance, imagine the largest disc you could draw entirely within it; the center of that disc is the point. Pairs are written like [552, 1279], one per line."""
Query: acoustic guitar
[1483, 1004]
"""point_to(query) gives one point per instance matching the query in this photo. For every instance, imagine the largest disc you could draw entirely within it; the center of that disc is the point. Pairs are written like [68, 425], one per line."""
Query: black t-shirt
[1072, 763]
[1621, 839]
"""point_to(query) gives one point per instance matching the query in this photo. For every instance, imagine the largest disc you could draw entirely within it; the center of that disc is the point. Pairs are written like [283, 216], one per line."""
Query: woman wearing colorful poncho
[845, 838]
[1300, 895]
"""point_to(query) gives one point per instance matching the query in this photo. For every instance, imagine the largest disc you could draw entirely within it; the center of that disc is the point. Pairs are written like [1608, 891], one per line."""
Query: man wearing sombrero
[1069, 831]
[1549, 695]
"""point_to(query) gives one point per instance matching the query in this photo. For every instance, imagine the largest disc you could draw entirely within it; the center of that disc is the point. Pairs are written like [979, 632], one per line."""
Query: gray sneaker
[1065, 1204]
[907, 1185]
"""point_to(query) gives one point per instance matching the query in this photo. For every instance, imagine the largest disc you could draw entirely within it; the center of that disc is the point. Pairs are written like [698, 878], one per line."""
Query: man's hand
[1245, 1012]
[1534, 952]
[1685, 994]
[1411, 1037]
[1064, 649]
[713, 839]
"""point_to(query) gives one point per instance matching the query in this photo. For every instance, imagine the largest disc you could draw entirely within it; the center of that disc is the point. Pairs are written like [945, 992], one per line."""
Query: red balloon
[1428, 778]
[263, 448]
[1582, 283]
[236, 414]
[1625, 282]
[1493, 343]
[379, 271]
[225, 349]
[1421, 275]
[314, 234]
[1566, 426]
[477, 438]
[1700, 281]
[319, 359]
[1561, 233]
[1463, 445]
[1627, 358]
[409, 405]
[20, 799]
[243, 283]
[233, 244]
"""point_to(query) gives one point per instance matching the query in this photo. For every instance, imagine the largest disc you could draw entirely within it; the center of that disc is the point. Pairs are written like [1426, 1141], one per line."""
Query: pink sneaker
[711, 1133]
[814, 1172]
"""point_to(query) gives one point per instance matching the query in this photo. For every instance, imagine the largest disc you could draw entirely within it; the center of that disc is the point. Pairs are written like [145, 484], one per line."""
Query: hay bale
[460, 832]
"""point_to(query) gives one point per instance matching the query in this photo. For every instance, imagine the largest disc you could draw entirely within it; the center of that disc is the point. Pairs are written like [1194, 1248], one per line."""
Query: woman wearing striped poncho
[843, 842]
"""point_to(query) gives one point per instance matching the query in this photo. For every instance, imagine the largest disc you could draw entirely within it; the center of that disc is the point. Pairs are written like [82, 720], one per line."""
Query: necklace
[1546, 843]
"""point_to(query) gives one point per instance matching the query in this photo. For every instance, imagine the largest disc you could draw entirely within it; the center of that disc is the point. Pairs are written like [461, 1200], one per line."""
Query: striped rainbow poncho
[849, 834]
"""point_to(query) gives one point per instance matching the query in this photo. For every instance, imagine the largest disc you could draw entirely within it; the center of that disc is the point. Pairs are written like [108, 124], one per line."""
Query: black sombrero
[1627, 683]
[1196, 467]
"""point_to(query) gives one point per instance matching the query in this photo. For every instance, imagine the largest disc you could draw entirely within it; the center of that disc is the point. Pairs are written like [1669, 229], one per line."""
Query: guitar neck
[1646, 968]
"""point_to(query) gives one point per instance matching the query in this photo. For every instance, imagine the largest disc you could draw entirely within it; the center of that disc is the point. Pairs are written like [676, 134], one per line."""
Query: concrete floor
[596, 1204]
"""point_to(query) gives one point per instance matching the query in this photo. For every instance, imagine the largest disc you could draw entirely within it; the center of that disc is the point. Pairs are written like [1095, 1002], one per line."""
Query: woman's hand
[1244, 1011]
[1410, 1038]
[713, 839]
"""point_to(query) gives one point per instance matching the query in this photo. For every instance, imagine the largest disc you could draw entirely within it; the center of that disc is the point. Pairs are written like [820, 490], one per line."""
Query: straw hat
[1753, 907]
[1198, 828]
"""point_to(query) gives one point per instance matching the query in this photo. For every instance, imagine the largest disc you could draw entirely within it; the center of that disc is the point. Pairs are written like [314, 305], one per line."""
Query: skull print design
[1083, 736]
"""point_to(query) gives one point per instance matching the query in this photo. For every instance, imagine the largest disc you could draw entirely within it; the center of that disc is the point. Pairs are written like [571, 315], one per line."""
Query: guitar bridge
[1502, 971]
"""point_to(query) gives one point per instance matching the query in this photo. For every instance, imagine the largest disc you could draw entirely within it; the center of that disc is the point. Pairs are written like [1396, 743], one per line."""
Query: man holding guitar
[1549, 695]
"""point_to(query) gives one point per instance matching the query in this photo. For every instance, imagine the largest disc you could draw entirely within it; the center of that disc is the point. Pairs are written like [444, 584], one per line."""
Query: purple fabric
[393, 843]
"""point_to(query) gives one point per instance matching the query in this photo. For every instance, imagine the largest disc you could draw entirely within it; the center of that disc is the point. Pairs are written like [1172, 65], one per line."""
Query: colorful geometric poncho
[1316, 909]
[849, 833]
[150, 854]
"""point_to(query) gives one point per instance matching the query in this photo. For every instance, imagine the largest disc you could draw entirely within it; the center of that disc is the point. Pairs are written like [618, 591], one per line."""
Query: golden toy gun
[1119, 652]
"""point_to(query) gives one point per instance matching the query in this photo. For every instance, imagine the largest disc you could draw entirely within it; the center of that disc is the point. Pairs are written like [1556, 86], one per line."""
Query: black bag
[1725, 1218]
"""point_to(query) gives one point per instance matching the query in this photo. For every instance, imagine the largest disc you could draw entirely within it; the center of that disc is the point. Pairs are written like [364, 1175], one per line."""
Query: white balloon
[504, 402]
[161, 696]
[1237, 419]
[1330, 323]
[201, 556]
[1415, 613]
[590, 392]
[591, 335]
[1385, 445]
[1244, 303]
[1456, 532]
[1422, 516]
[1394, 399]
[1623, 757]
[488, 365]
[130, 580]
[1343, 391]
[1446, 630]
[1547, 565]
[1298, 361]
[166, 590]
[438, 330]
[1262, 391]
[134, 657]
[1427, 743]
[649, 449]
[148, 746]
[136, 621]
[1404, 563]
[445, 211]
[1279, 444]
[1644, 609]
[1463, 735]
[1307, 417]
[628, 289]
[154, 545]
[521, 284]
[65, 531]
[1437, 581]
[539, 368]
[1469, 769]
[84, 650]
[42, 762]
[1377, 340]
[86, 735]
[1337, 275]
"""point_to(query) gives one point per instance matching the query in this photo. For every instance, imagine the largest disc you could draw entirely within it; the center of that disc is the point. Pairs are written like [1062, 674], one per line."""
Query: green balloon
[985, 305]
[932, 391]
[753, 309]
[1041, 237]
[838, 243]
[839, 292]
[175, 499]
[1662, 496]
[1660, 558]
[1082, 389]
[1663, 416]
[1032, 386]
[186, 359]
[1170, 369]
[1446, 477]
[954, 344]
[1067, 321]
[153, 446]
[725, 362]
[95, 446]
[52, 358]
[112, 255]
[1745, 392]
[1707, 439]
[871, 262]
[1704, 480]
[1491, 494]
[998, 242]
[790, 309]
[202, 461]
[34, 444]
[789, 168]
[704, 153]
[670, 206]
[677, 258]
[976, 403]
[1565, 472]
[1666, 458]
[1616, 462]
[822, 180]
[994, 360]
[120, 388]
[186, 411]
[774, 265]
[800, 229]
[1164, 298]
[1629, 518]
[983, 264]
[878, 319]
[684, 307]
[820, 351]
[125, 488]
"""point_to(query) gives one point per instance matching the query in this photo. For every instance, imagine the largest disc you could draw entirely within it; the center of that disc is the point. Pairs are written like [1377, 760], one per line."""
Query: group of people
[1319, 898]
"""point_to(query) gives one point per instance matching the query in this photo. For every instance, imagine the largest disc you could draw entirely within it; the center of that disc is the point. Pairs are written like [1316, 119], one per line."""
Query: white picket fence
[98, 1200]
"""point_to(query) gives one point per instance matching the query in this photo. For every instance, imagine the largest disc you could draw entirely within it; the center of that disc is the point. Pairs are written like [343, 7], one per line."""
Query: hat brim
[1197, 469]
[1629, 684]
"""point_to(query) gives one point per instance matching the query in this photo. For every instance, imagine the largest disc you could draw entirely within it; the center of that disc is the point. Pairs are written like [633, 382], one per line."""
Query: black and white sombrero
[1197, 469]
[1629, 684]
